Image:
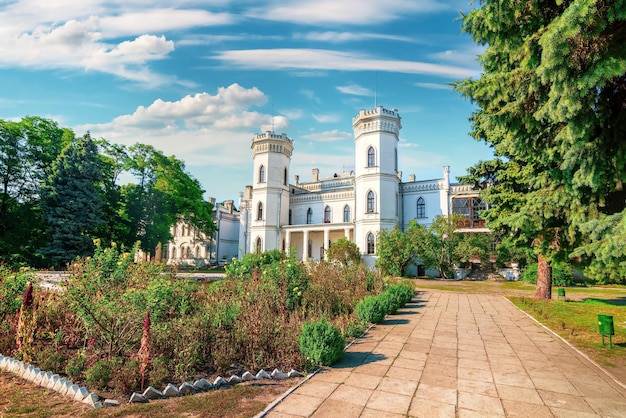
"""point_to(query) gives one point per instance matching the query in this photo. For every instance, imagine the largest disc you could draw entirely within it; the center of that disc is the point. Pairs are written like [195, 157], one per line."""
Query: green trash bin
[606, 327]
[561, 293]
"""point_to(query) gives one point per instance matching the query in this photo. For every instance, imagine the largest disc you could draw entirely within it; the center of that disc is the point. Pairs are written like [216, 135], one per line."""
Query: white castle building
[307, 217]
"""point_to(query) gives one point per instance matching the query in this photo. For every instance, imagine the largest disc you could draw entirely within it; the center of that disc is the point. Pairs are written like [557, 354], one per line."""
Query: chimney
[411, 177]
[316, 174]
[229, 205]
[248, 192]
[212, 200]
[296, 179]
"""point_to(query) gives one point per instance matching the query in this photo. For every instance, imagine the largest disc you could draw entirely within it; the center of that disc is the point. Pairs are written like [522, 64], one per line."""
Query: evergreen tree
[71, 202]
[551, 103]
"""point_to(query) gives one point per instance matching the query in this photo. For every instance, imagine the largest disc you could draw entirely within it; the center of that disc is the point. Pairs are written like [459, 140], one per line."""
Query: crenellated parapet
[271, 142]
[376, 120]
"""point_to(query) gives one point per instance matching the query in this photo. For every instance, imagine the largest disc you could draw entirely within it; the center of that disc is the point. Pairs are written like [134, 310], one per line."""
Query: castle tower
[376, 175]
[269, 209]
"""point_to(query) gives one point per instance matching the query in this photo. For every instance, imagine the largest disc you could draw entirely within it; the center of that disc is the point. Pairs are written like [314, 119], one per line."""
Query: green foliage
[27, 151]
[370, 309]
[76, 365]
[100, 373]
[344, 252]
[395, 250]
[12, 287]
[562, 274]
[321, 343]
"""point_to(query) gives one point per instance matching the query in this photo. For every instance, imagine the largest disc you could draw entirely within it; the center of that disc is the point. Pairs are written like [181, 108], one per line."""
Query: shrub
[389, 303]
[128, 377]
[321, 343]
[76, 365]
[562, 274]
[100, 373]
[370, 309]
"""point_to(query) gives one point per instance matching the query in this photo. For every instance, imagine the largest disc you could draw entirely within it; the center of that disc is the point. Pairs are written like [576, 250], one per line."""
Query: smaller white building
[190, 247]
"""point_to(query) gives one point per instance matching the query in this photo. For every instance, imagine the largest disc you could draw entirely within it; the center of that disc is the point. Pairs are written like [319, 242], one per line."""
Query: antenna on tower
[376, 90]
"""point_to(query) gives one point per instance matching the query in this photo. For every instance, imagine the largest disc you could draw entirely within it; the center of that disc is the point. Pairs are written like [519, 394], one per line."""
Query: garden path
[458, 355]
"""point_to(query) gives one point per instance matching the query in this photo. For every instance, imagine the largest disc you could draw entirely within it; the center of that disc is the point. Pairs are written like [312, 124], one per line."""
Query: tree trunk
[544, 279]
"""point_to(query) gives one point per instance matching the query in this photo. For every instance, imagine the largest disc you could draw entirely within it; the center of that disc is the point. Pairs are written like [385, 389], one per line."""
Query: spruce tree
[551, 103]
[71, 202]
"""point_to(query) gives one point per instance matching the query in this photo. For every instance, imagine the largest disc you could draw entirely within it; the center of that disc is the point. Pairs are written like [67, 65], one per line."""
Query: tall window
[470, 208]
[371, 202]
[290, 217]
[421, 208]
[262, 174]
[327, 215]
[258, 245]
[371, 157]
[371, 244]
[346, 213]
[285, 177]
[259, 212]
[309, 216]
[309, 249]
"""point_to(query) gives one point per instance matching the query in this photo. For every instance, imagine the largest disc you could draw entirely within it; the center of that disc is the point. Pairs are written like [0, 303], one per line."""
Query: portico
[312, 241]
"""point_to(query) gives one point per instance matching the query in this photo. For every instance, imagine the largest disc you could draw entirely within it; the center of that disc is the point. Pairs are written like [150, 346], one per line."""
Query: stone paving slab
[458, 355]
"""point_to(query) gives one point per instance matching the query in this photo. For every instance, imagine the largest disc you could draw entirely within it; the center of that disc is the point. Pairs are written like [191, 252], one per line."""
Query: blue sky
[197, 79]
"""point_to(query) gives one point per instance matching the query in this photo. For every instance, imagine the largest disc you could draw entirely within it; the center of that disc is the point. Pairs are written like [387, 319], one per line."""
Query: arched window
[259, 212]
[189, 254]
[285, 177]
[421, 208]
[197, 255]
[309, 249]
[173, 253]
[290, 217]
[371, 244]
[262, 174]
[258, 245]
[309, 216]
[327, 215]
[371, 157]
[346, 213]
[371, 202]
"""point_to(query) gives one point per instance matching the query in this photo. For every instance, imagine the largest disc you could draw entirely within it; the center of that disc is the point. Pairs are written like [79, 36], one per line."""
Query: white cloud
[329, 136]
[352, 12]
[327, 118]
[320, 59]
[160, 20]
[199, 128]
[355, 90]
[434, 86]
[309, 94]
[339, 37]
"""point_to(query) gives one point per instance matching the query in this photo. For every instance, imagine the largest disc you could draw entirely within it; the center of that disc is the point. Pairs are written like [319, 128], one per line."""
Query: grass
[577, 322]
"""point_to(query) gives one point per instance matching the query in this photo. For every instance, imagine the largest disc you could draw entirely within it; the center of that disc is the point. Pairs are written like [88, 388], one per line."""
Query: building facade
[306, 217]
[190, 247]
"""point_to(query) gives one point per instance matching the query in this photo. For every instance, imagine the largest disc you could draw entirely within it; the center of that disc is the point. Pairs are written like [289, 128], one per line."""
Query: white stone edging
[50, 381]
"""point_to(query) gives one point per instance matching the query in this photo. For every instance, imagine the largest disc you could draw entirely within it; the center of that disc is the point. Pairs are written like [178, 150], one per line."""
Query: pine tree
[71, 202]
[551, 103]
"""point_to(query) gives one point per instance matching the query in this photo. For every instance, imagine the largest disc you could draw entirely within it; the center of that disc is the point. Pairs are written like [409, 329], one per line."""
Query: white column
[305, 245]
[346, 233]
[287, 242]
[326, 236]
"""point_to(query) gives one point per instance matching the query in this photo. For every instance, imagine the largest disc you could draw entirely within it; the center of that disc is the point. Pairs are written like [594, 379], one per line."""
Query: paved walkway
[458, 355]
